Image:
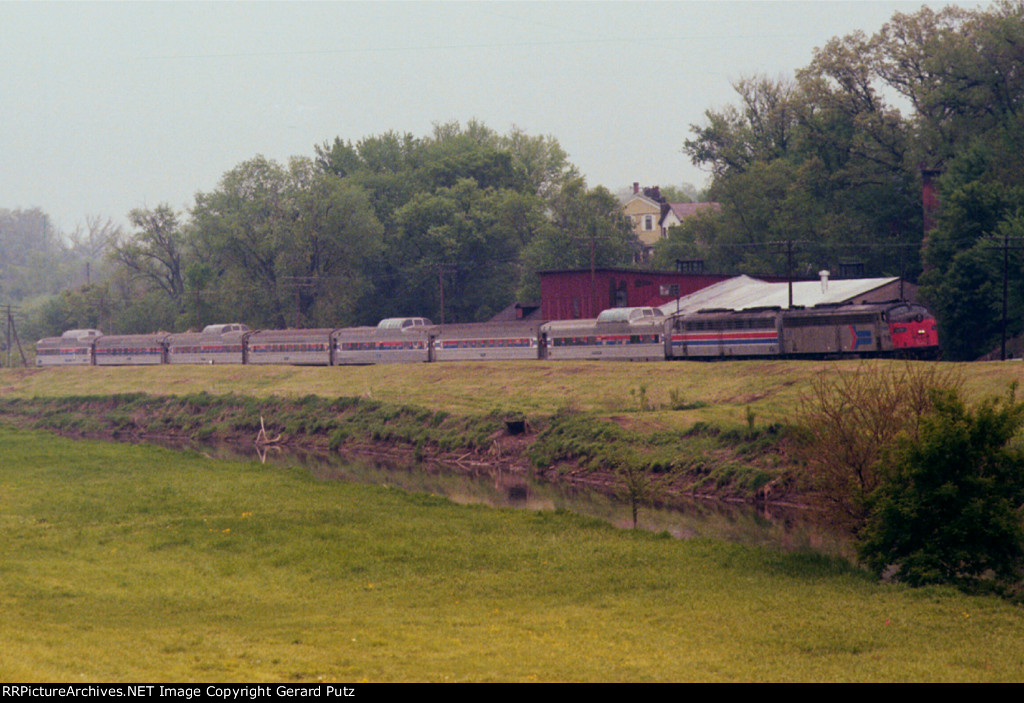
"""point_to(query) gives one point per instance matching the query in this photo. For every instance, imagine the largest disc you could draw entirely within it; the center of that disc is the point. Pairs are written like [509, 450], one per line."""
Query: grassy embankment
[135, 563]
[723, 391]
[716, 428]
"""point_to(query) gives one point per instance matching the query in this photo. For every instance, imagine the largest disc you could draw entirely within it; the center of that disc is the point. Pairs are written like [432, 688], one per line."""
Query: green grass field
[133, 563]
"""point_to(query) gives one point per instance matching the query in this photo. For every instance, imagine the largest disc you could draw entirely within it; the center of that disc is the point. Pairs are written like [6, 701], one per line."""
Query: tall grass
[677, 394]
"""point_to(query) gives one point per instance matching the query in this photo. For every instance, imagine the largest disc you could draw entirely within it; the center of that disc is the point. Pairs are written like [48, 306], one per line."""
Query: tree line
[390, 225]
[832, 161]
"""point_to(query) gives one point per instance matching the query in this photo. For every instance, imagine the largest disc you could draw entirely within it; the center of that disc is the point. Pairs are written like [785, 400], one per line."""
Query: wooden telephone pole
[12, 337]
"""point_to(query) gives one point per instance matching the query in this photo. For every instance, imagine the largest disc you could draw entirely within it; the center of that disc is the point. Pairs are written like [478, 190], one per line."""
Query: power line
[472, 46]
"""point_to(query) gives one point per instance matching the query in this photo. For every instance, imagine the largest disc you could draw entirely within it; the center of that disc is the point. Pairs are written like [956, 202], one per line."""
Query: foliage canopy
[932, 488]
[452, 226]
[832, 158]
[948, 507]
[850, 418]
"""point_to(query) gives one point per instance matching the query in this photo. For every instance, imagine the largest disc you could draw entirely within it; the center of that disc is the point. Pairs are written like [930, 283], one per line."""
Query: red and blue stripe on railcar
[628, 334]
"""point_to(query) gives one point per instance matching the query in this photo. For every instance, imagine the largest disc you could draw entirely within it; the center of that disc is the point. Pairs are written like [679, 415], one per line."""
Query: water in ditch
[684, 518]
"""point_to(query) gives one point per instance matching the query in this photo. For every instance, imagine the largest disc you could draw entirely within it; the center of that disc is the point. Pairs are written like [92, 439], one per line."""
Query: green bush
[851, 419]
[947, 508]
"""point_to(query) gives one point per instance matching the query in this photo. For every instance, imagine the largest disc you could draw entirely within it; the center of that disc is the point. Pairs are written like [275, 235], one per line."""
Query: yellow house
[652, 217]
[644, 213]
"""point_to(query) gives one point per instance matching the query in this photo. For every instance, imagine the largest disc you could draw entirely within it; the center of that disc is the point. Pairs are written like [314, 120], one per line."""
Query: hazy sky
[105, 107]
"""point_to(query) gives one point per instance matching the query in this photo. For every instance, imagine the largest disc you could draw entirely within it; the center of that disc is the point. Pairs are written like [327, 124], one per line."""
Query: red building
[568, 295]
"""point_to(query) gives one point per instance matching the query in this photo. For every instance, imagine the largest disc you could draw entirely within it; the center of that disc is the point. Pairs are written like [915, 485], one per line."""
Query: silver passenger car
[216, 344]
[726, 333]
[487, 341]
[131, 349]
[295, 346]
[73, 348]
[393, 340]
[626, 334]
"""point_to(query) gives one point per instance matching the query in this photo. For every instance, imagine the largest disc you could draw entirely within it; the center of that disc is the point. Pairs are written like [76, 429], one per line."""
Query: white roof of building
[744, 292]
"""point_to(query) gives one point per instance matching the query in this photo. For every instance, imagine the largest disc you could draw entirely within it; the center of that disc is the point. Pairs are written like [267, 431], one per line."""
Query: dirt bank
[578, 449]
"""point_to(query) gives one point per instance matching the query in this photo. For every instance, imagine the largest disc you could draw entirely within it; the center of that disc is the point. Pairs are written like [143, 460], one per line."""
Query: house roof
[743, 292]
[682, 210]
[633, 197]
[518, 311]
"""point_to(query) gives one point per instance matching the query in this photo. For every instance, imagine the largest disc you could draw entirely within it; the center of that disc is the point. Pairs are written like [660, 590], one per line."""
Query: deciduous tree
[948, 507]
[154, 251]
[290, 243]
[851, 418]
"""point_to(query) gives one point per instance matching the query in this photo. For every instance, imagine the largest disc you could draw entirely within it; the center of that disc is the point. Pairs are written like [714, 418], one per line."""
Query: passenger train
[628, 334]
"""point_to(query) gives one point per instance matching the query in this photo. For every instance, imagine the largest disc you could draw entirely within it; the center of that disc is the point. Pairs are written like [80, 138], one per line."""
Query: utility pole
[440, 288]
[12, 338]
[1006, 275]
[593, 269]
[1006, 260]
[442, 269]
[895, 230]
[789, 263]
[789, 270]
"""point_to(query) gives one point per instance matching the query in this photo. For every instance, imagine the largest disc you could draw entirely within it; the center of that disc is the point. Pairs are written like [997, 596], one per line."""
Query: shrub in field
[849, 420]
[947, 509]
[637, 480]
[635, 484]
[640, 396]
[677, 401]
